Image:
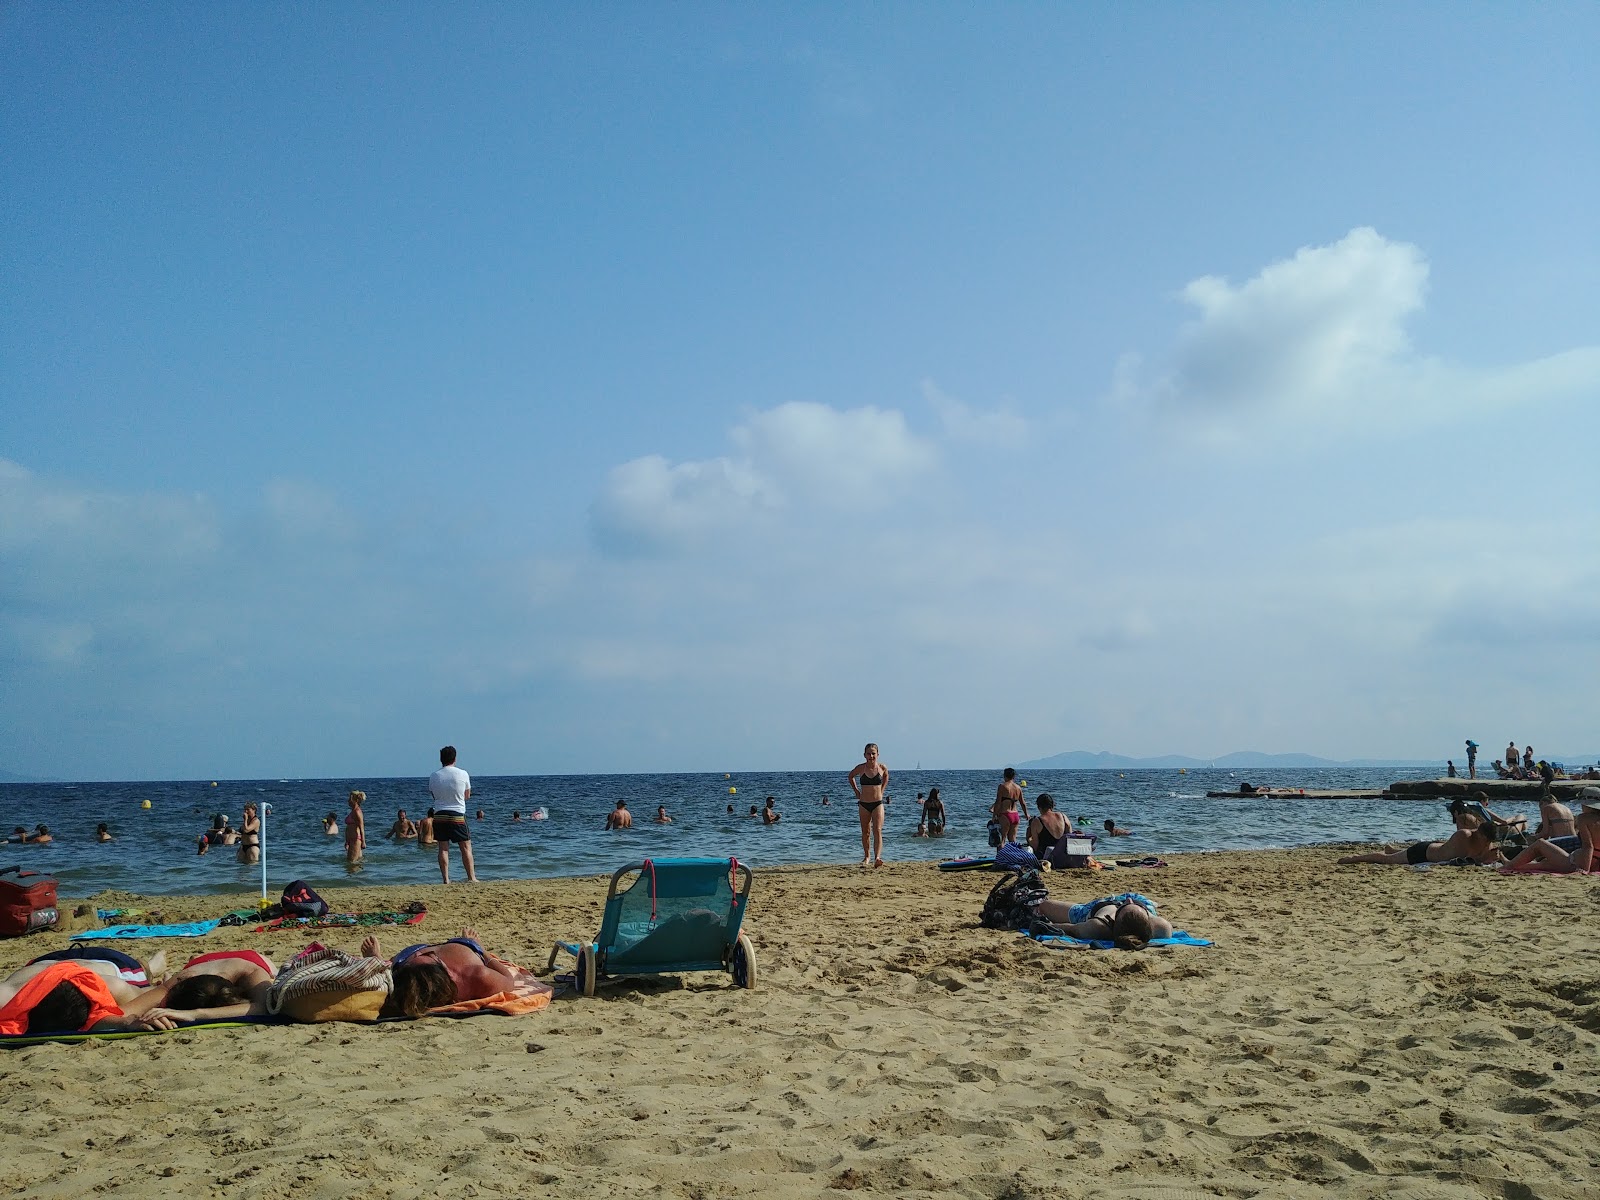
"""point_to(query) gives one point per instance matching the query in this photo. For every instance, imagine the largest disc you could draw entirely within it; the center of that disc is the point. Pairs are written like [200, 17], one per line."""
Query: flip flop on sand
[1149, 861]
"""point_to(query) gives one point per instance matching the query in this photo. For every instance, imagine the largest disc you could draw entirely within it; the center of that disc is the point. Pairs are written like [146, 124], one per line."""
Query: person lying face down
[431, 974]
[1130, 920]
[1472, 839]
[82, 989]
[221, 986]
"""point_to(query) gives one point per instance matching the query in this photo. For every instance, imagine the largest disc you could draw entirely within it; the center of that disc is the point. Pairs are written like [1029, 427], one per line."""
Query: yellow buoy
[1183, 770]
[144, 804]
[213, 783]
[1024, 783]
[733, 791]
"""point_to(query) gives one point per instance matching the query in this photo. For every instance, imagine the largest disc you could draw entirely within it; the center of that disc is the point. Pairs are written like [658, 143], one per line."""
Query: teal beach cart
[672, 915]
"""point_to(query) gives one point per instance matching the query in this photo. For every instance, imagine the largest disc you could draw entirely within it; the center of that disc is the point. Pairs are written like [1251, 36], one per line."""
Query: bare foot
[156, 965]
[369, 947]
[469, 932]
[877, 862]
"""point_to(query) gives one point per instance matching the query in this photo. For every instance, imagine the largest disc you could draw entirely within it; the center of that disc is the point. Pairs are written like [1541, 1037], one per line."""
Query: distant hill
[1084, 760]
[8, 777]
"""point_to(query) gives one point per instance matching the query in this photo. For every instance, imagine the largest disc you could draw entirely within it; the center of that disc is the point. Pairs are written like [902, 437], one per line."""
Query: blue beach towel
[187, 929]
[1062, 941]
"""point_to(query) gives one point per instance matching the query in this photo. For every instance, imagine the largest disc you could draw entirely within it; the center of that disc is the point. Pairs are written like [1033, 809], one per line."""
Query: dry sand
[1355, 1031]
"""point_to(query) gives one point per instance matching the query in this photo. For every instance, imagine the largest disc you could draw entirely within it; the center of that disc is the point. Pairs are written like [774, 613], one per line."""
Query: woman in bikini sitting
[868, 780]
[428, 975]
[1047, 828]
[221, 986]
[250, 836]
[1546, 855]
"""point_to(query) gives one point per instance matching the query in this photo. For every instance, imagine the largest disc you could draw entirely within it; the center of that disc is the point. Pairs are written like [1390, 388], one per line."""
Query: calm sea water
[154, 850]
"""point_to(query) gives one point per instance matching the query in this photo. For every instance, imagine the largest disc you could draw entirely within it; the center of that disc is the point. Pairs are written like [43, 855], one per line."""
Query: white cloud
[650, 504]
[851, 459]
[962, 423]
[798, 455]
[1319, 341]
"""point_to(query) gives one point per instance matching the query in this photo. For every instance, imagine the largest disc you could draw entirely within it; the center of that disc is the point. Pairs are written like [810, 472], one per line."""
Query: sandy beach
[1355, 1031]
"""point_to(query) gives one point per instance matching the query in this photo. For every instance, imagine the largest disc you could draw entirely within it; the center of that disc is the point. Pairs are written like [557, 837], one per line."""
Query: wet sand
[1355, 1031]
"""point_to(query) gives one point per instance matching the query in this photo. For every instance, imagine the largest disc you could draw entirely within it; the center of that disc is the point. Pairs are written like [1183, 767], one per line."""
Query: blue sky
[718, 387]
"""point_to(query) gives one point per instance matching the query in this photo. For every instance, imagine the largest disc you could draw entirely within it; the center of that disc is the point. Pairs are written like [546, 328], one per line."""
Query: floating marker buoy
[732, 791]
[144, 804]
[1024, 783]
[1183, 770]
[725, 775]
[213, 783]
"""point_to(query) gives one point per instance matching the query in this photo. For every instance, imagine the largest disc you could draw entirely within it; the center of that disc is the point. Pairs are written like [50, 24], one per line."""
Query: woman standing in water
[868, 780]
[250, 836]
[355, 829]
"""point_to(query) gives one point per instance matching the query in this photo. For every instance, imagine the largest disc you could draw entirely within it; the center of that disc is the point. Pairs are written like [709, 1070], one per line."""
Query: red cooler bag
[27, 902]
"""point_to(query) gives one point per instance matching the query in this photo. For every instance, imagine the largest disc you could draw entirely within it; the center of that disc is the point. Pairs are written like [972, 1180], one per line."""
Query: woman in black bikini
[868, 781]
[250, 836]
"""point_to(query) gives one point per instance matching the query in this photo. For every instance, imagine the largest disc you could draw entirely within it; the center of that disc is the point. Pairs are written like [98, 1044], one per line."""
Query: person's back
[1555, 819]
[450, 787]
[619, 817]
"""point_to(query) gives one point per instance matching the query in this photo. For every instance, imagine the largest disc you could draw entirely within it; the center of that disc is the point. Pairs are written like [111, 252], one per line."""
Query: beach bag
[1011, 902]
[1013, 857]
[1074, 851]
[299, 900]
[27, 902]
[321, 984]
[994, 834]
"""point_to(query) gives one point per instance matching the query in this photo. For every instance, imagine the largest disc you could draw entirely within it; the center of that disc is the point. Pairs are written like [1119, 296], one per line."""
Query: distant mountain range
[8, 777]
[1084, 760]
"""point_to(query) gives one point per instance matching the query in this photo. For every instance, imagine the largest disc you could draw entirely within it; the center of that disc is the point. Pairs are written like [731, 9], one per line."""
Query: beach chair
[676, 914]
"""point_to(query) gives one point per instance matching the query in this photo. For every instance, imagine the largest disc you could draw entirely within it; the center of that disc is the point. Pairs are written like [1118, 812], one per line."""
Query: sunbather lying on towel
[1472, 839]
[1546, 855]
[221, 986]
[1129, 920]
[79, 990]
[429, 975]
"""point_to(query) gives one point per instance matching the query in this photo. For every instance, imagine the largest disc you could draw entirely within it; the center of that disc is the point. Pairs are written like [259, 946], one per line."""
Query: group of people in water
[1561, 843]
[92, 989]
[247, 838]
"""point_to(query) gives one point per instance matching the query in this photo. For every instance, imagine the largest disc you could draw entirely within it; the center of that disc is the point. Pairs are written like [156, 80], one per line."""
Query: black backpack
[1011, 902]
[300, 900]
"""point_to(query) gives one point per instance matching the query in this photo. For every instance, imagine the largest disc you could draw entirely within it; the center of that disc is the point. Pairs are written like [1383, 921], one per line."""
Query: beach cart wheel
[743, 966]
[587, 969]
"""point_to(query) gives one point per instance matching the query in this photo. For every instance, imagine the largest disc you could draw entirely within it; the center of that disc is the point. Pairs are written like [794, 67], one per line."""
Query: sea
[154, 848]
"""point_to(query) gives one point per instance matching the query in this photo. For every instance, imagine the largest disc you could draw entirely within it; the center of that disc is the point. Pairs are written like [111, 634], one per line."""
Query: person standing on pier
[1472, 759]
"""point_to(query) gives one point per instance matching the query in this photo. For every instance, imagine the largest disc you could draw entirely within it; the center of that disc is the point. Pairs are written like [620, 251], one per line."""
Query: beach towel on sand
[343, 920]
[1062, 941]
[185, 929]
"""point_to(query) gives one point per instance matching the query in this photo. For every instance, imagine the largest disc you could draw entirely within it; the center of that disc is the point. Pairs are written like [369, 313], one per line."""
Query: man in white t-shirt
[451, 789]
